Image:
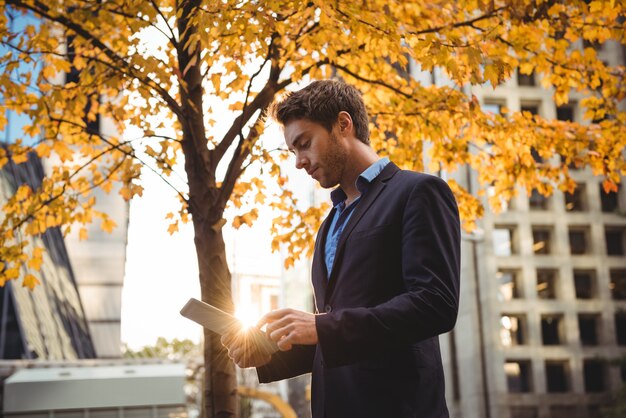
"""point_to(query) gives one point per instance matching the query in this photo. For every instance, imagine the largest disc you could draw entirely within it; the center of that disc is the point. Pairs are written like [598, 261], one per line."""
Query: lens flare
[246, 315]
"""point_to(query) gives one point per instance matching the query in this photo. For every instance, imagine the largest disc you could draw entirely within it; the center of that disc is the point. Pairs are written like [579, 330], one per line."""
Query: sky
[162, 270]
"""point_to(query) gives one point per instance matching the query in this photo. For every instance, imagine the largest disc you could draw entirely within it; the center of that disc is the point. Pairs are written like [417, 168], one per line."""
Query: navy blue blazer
[393, 288]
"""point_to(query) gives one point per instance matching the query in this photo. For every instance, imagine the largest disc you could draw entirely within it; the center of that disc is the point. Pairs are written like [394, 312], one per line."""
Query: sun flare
[246, 315]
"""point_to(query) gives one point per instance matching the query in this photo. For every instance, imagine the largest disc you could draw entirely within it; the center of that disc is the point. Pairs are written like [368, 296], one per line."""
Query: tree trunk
[220, 380]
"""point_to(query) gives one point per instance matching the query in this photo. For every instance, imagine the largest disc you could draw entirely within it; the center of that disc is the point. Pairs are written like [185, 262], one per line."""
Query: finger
[280, 323]
[280, 333]
[285, 344]
[235, 355]
[273, 316]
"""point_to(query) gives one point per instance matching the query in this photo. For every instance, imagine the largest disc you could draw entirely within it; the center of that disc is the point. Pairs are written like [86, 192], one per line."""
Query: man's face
[319, 152]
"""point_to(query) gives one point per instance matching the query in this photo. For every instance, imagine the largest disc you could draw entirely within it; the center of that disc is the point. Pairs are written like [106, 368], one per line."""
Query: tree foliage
[165, 67]
[175, 349]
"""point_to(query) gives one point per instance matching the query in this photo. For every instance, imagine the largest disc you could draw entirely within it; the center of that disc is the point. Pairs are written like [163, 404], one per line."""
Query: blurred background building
[48, 322]
[73, 316]
[543, 287]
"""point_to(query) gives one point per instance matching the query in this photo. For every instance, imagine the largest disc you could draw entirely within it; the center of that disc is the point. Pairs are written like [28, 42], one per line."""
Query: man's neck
[361, 157]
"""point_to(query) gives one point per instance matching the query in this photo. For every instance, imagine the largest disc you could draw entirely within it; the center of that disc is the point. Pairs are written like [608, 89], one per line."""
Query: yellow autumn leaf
[36, 259]
[30, 281]
[126, 193]
[19, 157]
[108, 224]
[64, 152]
[12, 273]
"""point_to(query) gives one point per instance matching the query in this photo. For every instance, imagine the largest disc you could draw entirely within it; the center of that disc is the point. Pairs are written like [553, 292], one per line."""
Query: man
[385, 272]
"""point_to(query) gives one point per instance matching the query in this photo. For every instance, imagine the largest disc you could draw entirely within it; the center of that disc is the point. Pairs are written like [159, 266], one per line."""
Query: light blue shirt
[343, 213]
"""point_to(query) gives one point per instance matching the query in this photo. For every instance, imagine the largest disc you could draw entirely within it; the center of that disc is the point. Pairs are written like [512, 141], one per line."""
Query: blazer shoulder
[414, 179]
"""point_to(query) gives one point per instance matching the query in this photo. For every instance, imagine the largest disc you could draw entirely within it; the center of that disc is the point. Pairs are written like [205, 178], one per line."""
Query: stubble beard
[333, 163]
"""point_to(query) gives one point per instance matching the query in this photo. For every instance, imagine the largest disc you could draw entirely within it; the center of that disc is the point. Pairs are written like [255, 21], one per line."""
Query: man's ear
[344, 120]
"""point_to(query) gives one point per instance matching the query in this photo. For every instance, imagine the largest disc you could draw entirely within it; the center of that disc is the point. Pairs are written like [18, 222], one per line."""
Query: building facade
[542, 321]
[49, 321]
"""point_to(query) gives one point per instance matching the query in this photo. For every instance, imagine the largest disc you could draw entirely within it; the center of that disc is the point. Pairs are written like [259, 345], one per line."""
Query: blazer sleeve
[286, 364]
[430, 254]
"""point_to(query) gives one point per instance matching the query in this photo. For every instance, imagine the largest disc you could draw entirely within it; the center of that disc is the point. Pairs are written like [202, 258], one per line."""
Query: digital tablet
[222, 322]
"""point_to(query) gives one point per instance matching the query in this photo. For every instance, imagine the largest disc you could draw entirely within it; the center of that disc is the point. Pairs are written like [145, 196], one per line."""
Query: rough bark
[220, 382]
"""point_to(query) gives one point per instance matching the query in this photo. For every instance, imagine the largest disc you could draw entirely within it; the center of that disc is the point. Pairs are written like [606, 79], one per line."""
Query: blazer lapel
[375, 189]
[319, 269]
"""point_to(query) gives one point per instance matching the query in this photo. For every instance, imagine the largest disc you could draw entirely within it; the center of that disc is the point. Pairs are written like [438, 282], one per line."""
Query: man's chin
[326, 184]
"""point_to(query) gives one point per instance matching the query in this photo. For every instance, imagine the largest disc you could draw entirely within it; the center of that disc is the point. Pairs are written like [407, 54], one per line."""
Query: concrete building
[49, 321]
[543, 290]
[99, 261]
[99, 267]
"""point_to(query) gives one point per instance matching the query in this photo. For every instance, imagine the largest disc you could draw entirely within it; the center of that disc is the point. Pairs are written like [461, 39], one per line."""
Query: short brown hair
[320, 102]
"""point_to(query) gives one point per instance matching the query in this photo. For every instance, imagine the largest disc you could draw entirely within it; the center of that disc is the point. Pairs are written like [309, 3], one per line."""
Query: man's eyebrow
[295, 141]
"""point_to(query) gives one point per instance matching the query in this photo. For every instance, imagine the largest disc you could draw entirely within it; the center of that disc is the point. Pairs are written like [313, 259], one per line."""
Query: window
[524, 412]
[542, 239]
[104, 413]
[504, 240]
[70, 413]
[169, 412]
[518, 376]
[73, 76]
[577, 200]
[620, 327]
[588, 328]
[594, 411]
[557, 376]
[573, 162]
[618, 284]
[273, 302]
[512, 330]
[609, 201]
[565, 113]
[552, 330]
[532, 108]
[563, 411]
[527, 80]
[578, 242]
[499, 202]
[614, 238]
[508, 285]
[537, 201]
[546, 284]
[598, 46]
[494, 108]
[593, 371]
[585, 284]
[137, 412]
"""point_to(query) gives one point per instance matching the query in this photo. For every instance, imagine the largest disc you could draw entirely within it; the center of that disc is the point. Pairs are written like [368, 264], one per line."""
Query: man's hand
[288, 327]
[243, 351]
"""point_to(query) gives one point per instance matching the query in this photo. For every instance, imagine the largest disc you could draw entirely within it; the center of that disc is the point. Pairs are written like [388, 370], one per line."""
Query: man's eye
[305, 145]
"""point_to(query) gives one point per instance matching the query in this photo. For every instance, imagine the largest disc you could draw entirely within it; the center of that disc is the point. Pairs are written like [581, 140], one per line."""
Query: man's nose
[301, 162]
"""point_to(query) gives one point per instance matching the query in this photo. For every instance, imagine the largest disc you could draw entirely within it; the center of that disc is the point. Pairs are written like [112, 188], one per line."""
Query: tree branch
[235, 166]
[118, 146]
[42, 10]
[172, 39]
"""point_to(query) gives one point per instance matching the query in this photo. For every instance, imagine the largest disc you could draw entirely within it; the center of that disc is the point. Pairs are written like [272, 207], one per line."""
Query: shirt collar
[362, 182]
